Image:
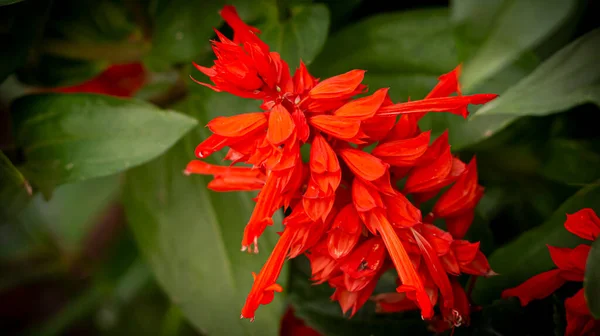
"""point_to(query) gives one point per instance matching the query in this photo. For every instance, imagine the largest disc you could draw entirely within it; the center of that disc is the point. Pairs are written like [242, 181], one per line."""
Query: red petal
[438, 238]
[465, 251]
[406, 271]
[341, 128]
[362, 108]
[301, 125]
[345, 232]
[479, 266]
[461, 196]
[405, 128]
[236, 183]
[403, 153]
[201, 167]
[365, 197]
[210, 145]
[426, 178]
[584, 223]
[317, 205]
[238, 125]
[579, 319]
[267, 276]
[303, 80]
[443, 104]
[322, 156]
[365, 260]
[400, 211]
[436, 270]
[538, 287]
[459, 225]
[561, 257]
[447, 85]
[281, 125]
[363, 164]
[340, 85]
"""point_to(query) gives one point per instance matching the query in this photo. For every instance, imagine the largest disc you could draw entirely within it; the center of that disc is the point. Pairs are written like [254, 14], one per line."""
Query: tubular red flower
[347, 214]
[442, 104]
[264, 286]
[571, 265]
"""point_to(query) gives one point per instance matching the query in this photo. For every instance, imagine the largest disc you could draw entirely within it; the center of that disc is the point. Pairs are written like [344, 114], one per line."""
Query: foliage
[96, 214]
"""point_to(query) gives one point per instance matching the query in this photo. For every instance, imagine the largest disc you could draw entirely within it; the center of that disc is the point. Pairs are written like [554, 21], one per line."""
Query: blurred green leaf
[181, 31]
[55, 71]
[570, 77]
[73, 209]
[8, 2]
[299, 37]
[591, 280]
[570, 162]
[313, 305]
[117, 290]
[91, 21]
[73, 137]
[94, 30]
[466, 133]
[518, 26]
[22, 24]
[15, 191]
[191, 235]
[406, 51]
[527, 255]
[473, 20]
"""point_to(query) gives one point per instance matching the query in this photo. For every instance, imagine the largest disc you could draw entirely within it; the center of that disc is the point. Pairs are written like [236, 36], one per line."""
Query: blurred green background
[101, 234]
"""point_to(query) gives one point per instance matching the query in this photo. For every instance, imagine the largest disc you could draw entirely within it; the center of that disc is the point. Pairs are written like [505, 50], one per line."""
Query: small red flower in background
[571, 267]
[293, 326]
[347, 214]
[120, 80]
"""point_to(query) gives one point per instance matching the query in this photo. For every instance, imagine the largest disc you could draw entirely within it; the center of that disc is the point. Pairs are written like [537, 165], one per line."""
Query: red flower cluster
[347, 214]
[571, 267]
[119, 80]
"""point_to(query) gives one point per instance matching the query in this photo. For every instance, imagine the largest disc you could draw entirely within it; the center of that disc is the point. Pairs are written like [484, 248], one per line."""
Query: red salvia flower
[348, 215]
[571, 267]
[119, 80]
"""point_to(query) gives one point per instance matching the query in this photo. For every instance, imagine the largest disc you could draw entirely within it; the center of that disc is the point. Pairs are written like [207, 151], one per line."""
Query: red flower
[571, 267]
[347, 214]
[293, 326]
[120, 80]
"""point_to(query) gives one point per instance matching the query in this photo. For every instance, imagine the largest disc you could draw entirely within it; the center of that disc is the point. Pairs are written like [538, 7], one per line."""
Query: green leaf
[94, 30]
[405, 50]
[313, 305]
[466, 133]
[181, 31]
[73, 137]
[22, 25]
[528, 255]
[15, 191]
[299, 37]
[8, 2]
[55, 71]
[569, 78]
[571, 161]
[191, 235]
[513, 33]
[72, 211]
[591, 280]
